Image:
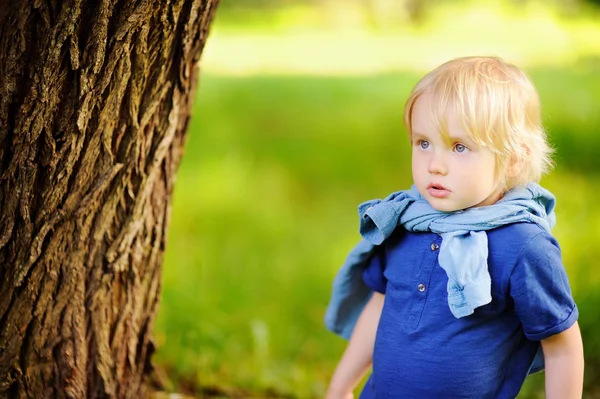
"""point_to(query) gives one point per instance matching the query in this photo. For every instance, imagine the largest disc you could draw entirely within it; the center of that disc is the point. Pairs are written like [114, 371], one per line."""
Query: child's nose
[437, 165]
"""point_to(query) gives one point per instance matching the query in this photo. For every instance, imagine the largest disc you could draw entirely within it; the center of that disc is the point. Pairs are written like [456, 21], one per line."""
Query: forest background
[298, 119]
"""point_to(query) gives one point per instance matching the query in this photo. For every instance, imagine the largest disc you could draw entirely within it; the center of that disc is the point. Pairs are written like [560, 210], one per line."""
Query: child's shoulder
[520, 231]
[521, 239]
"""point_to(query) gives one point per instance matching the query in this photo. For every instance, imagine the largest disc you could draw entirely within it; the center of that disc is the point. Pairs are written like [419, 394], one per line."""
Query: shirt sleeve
[540, 289]
[373, 274]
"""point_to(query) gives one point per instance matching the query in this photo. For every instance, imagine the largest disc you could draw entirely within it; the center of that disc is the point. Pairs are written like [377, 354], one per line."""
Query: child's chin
[443, 205]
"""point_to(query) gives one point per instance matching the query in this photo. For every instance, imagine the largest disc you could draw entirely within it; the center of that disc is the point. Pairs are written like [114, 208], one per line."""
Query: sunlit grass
[351, 39]
[264, 213]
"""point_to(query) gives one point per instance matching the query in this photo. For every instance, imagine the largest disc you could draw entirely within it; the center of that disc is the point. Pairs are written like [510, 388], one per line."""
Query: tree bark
[95, 100]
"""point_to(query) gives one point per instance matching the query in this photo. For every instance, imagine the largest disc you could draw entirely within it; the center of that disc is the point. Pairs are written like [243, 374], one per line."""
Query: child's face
[450, 175]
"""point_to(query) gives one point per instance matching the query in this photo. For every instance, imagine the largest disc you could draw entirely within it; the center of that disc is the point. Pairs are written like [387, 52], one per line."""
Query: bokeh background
[298, 119]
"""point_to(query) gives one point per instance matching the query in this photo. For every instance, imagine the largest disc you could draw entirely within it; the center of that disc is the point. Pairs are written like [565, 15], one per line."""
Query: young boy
[458, 282]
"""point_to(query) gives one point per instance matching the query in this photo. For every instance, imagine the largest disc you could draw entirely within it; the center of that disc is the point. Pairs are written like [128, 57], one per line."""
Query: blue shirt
[423, 351]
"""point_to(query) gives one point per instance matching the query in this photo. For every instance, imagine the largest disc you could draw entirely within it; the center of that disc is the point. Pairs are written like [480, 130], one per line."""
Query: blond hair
[498, 107]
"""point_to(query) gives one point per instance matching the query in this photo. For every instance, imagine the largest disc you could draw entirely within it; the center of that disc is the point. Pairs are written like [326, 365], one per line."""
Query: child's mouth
[438, 191]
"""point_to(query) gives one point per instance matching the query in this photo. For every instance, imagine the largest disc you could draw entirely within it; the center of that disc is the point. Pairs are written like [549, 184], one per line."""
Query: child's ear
[514, 167]
[517, 162]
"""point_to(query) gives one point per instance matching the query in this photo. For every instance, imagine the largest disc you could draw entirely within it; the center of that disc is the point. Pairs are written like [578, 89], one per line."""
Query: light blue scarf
[463, 253]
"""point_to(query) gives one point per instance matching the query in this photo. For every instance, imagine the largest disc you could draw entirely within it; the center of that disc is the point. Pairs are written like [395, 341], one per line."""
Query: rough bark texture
[94, 106]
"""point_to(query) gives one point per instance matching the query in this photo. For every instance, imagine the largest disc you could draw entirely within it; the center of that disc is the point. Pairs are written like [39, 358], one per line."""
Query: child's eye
[460, 148]
[424, 144]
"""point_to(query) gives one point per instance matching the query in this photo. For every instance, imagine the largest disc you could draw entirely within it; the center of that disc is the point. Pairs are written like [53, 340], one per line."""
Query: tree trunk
[95, 100]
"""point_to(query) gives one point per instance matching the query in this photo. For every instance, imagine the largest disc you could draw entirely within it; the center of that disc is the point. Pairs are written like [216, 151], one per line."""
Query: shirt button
[421, 287]
[434, 247]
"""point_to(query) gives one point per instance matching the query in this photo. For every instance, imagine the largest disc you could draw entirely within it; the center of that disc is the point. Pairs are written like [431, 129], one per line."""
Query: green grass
[354, 37]
[264, 212]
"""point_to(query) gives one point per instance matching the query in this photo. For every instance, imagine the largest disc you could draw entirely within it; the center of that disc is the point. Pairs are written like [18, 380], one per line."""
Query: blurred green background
[298, 119]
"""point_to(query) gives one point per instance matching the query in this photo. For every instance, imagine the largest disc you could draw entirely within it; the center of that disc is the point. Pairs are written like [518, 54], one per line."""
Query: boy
[467, 282]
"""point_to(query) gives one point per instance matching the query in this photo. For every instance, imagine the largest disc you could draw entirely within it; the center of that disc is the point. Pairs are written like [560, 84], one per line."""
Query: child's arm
[563, 354]
[359, 352]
